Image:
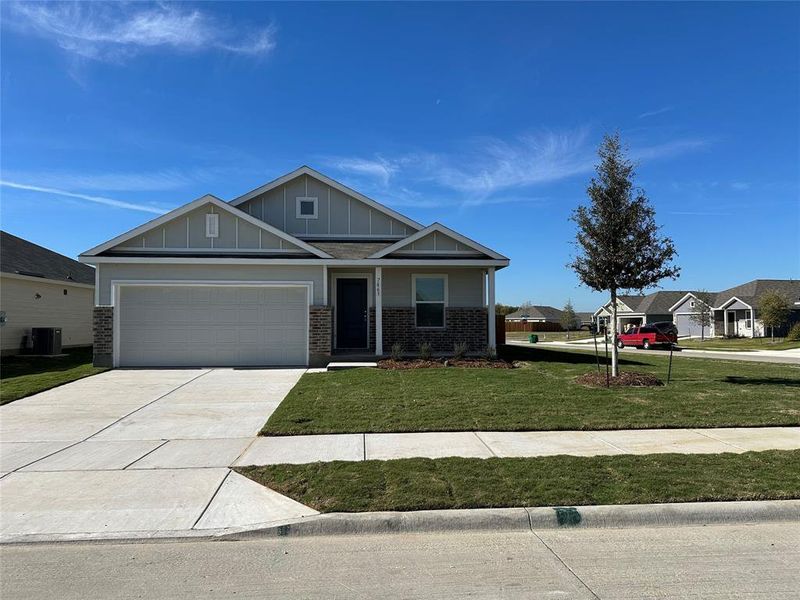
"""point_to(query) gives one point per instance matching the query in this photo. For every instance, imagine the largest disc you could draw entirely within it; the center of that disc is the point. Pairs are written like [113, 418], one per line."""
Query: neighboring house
[736, 309]
[535, 314]
[288, 274]
[545, 314]
[689, 305]
[639, 310]
[41, 288]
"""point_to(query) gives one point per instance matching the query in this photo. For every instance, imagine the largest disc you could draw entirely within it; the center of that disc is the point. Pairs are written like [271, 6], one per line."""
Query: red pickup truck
[646, 337]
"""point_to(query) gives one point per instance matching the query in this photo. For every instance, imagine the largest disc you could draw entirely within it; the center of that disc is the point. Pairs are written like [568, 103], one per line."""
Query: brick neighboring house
[290, 273]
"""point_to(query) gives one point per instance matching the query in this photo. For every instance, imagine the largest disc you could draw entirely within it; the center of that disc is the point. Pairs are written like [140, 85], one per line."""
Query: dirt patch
[464, 363]
[625, 379]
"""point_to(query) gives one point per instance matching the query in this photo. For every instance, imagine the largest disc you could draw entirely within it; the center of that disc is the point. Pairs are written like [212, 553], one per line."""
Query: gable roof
[202, 201]
[21, 257]
[654, 303]
[751, 292]
[548, 313]
[351, 250]
[438, 227]
[306, 170]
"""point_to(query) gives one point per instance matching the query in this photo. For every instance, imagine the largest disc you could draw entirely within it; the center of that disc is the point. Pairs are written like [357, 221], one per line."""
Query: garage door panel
[212, 326]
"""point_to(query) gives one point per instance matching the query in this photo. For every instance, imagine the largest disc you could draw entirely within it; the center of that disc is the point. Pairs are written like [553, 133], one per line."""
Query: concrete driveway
[139, 451]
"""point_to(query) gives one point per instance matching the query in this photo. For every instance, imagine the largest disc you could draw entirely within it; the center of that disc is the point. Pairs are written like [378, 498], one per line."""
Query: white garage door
[205, 326]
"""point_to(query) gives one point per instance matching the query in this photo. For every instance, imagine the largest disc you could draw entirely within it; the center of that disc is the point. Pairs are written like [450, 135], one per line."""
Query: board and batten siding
[464, 286]
[436, 243]
[338, 214]
[109, 272]
[71, 312]
[189, 232]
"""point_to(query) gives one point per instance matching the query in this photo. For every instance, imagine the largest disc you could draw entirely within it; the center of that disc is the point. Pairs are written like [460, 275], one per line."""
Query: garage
[687, 327]
[204, 325]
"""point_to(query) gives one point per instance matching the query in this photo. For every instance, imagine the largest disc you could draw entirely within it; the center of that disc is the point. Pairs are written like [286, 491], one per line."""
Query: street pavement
[716, 561]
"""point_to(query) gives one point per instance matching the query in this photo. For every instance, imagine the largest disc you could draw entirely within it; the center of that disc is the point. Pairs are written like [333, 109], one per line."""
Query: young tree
[702, 314]
[773, 310]
[569, 320]
[619, 244]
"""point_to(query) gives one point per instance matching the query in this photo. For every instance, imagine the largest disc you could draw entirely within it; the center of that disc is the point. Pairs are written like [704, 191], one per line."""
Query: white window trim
[212, 225]
[301, 199]
[445, 302]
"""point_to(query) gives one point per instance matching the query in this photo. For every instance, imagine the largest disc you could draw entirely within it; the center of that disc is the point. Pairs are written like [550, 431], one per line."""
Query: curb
[522, 520]
[530, 519]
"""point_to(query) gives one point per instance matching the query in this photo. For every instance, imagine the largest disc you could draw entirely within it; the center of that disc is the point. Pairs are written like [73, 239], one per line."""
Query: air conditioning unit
[46, 340]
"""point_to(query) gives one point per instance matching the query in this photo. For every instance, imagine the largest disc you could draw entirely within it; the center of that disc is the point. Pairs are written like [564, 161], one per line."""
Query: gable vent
[212, 225]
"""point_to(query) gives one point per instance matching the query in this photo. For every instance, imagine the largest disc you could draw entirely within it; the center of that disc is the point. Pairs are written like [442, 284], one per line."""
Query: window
[691, 303]
[430, 298]
[212, 225]
[747, 321]
[306, 207]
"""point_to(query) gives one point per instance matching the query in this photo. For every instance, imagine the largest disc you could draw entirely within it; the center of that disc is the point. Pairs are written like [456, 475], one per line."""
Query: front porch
[367, 311]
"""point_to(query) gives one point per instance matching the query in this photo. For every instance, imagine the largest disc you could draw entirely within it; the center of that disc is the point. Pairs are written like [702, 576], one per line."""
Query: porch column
[378, 311]
[490, 308]
[725, 321]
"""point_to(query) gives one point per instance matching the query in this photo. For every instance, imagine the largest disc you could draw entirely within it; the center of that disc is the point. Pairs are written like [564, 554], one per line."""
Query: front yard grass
[22, 376]
[423, 483]
[738, 344]
[540, 395]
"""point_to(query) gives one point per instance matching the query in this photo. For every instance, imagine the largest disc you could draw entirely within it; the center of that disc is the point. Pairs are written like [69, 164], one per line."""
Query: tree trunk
[614, 349]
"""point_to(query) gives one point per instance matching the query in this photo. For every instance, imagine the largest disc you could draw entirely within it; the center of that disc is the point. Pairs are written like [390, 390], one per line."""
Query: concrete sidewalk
[787, 357]
[139, 453]
[485, 444]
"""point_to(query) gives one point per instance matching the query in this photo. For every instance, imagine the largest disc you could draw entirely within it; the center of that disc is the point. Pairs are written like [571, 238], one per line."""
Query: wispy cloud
[114, 31]
[658, 111]
[168, 179]
[484, 170]
[379, 168]
[96, 199]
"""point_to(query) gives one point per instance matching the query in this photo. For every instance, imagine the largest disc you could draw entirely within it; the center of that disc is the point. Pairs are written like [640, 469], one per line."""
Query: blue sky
[485, 117]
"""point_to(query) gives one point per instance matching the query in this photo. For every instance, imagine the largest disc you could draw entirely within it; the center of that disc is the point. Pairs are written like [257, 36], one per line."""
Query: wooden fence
[531, 327]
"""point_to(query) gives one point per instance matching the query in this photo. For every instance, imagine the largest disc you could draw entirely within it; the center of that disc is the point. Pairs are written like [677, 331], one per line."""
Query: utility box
[533, 338]
[46, 340]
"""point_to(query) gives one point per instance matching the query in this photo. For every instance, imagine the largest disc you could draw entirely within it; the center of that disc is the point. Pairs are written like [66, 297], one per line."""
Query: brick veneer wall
[103, 333]
[461, 325]
[320, 335]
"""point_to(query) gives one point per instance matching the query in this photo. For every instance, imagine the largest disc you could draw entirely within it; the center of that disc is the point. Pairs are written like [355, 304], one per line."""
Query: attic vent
[212, 225]
[30, 273]
[306, 207]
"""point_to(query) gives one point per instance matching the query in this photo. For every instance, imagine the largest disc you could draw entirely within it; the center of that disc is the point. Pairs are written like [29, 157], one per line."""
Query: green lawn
[22, 376]
[739, 344]
[541, 395]
[550, 336]
[423, 483]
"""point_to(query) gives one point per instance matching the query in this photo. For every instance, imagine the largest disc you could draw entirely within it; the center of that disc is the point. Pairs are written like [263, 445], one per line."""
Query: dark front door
[351, 313]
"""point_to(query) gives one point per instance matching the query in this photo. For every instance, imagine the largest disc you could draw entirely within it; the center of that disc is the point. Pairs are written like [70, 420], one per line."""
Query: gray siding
[337, 213]
[436, 243]
[109, 272]
[189, 232]
[465, 286]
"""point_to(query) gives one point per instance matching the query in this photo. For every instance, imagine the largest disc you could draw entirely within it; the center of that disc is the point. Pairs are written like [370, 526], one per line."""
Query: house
[639, 309]
[688, 305]
[545, 314]
[535, 314]
[736, 309]
[289, 273]
[41, 288]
